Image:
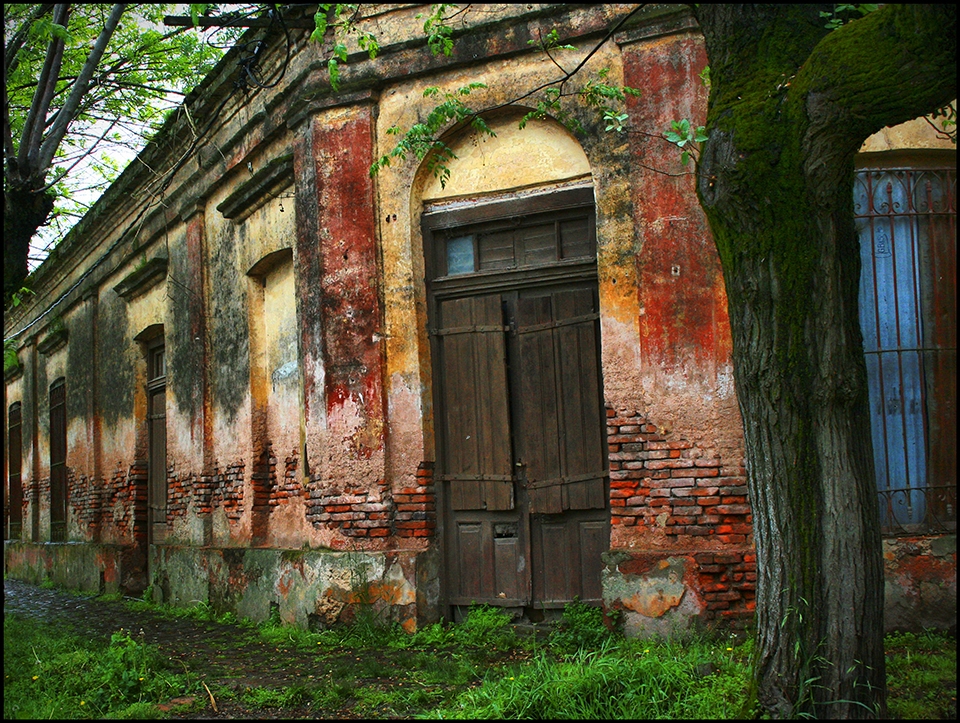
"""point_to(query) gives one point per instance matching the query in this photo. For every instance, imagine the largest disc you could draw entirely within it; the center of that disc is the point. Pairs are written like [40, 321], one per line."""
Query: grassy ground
[481, 668]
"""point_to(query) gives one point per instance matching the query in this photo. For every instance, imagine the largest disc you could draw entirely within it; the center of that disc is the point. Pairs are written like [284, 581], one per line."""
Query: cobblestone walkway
[220, 655]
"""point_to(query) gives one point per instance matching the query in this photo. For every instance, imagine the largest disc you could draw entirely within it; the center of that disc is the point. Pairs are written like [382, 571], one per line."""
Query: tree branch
[85, 154]
[569, 74]
[886, 68]
[12, 48]
[59, 129]
[32, 135]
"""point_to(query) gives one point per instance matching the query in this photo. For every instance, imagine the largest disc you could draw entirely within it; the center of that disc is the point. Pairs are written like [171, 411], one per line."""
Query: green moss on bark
[790, 105]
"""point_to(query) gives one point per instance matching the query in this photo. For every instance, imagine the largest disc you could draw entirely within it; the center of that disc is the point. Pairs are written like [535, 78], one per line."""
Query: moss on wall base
[84, 566]
[312, 589]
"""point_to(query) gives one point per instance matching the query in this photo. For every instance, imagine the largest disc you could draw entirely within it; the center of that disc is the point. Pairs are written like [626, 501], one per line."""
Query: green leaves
[550, 42]
[549, 105]
[196, 10]
[338, 55]
[614, 120]
[947, 116]
[704, 76]
[343, 19]
[681, 134]
[596, 93]
[45, 30]
[606, 98]
[439, 33]
[423, 139]
[320, 22]
[844, 13]
[144, 71]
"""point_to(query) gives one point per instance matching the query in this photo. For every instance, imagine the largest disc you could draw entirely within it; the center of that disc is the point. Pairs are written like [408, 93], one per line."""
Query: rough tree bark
[27, 202]
[24, 211]
[790, 105]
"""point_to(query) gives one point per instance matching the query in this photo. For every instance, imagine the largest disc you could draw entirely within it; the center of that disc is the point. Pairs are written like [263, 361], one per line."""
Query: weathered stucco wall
[288, 286]
[311, 589]
[915, 134]
[921, 583]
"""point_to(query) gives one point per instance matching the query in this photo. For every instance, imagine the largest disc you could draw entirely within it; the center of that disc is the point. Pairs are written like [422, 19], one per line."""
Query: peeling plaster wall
[311, 589]
[93, 568]
[921, 583]
[299, 393]
[915, 134]
[685, 371]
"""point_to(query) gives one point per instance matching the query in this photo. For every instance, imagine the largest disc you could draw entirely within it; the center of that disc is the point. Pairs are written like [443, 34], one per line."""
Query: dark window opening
[14, 462]
[156, 440]
[58, 461]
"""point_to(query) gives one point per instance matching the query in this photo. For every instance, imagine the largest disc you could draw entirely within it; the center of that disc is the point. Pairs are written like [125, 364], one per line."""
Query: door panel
[476, 432]
[521, 435]
[469, 573]
[488, 559]
[156, 450]
[566, 556]
[561, 438]
[557, 561]
[157, 467]
[538, 421]
[594, 541]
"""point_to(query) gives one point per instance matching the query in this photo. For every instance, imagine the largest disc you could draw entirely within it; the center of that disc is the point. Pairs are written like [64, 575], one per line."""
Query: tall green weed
[51, 673]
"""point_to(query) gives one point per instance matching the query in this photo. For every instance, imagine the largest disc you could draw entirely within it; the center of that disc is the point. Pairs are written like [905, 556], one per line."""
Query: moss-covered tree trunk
[790, 104]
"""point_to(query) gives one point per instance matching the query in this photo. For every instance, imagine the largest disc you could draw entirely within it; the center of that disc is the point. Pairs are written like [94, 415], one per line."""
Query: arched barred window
[906, 220]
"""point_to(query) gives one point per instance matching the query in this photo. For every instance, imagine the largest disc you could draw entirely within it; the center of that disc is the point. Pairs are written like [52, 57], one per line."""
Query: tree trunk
[24, 211]
[787, 113]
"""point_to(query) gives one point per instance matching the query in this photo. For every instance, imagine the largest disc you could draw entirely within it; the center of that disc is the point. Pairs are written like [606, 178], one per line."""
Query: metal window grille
[906, 221]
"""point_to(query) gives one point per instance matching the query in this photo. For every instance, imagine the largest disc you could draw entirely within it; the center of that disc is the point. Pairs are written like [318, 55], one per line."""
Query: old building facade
[258, 376]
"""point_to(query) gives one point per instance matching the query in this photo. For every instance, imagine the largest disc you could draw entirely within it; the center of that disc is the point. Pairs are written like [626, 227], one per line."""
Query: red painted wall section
[683, 322]
[921, 582]
[308, 264]
[349, 295]
[349, 283]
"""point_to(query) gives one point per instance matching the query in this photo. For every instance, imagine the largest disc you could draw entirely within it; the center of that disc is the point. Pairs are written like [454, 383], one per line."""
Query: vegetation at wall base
[480, 668]
[50, 673]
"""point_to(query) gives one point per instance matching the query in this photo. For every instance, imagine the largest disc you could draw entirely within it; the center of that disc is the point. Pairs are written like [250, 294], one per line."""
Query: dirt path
[216, 653]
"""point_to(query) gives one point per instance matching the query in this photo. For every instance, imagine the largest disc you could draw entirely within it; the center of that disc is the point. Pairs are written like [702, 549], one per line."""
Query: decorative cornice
[142, 279]
[52, 342]
[657, 22]
[12, 373]
[269, 180]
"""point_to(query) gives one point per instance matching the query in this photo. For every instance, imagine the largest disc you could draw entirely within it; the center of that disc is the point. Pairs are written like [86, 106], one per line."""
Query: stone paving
[218, 654]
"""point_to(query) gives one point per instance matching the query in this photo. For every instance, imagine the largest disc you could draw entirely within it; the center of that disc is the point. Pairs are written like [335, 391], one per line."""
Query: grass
[619, 680]
[51, 673]
[480, 668]
[921, 675]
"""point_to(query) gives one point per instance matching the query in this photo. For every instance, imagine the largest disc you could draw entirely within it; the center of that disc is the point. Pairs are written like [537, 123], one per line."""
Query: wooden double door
[521, 441]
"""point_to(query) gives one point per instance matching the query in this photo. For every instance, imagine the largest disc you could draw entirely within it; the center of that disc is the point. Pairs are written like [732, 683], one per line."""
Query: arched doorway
[518, 403]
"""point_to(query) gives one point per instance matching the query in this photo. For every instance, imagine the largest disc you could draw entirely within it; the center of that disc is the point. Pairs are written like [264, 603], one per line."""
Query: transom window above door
[505, 246]
[468, 242]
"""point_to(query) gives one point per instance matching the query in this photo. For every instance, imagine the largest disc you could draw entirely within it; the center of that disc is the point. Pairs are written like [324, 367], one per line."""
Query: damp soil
[227, 657]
